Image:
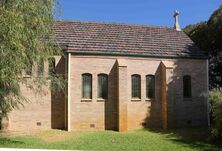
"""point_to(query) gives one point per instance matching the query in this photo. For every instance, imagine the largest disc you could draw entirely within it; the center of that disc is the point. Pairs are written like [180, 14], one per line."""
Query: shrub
[216, 109]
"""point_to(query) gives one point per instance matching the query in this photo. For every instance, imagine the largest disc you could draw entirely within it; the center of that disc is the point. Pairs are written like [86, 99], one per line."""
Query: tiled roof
[124, 39]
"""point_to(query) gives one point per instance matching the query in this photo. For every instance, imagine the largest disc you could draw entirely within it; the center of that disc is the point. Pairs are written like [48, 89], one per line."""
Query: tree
[208, 37]
[26, 36]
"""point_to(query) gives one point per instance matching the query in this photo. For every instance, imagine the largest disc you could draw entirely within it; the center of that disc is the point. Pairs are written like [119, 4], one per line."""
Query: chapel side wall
[94, 114]
[143, 112]
[185, 112]
[102, 114]
[190, 112]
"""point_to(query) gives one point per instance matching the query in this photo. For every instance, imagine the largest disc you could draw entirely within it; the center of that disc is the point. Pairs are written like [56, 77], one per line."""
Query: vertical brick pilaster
[68, 93]
[167, 96]
[163, 96]
[122, 96]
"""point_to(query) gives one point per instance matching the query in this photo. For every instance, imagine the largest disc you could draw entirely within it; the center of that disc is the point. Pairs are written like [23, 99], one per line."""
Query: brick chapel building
[121, 77]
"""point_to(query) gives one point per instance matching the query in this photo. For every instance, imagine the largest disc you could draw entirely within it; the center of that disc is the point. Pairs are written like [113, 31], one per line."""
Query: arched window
[51, 63]
[103, 86]
[86, 86]
[187, 90]
[136, 86]
[150, 86]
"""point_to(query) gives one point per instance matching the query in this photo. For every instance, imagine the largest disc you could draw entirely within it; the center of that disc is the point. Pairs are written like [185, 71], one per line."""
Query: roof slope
[124, 39]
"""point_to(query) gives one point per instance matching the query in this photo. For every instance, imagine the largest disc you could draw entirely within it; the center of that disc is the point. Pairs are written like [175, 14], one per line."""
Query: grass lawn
[143, 140]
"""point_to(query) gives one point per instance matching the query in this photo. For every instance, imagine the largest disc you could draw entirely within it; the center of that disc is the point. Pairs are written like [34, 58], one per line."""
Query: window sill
[86, 100]
[150, 99]
[135, 99]
[101, 100]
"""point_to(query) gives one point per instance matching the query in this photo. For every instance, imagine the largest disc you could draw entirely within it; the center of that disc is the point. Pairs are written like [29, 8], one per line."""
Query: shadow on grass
[7, 141]
[190, 137]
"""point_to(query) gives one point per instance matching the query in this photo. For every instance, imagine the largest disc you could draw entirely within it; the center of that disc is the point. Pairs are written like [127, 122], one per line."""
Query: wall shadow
[8, 141]
[111, 105]
[58, 101]
[180, 111]
[154, 111]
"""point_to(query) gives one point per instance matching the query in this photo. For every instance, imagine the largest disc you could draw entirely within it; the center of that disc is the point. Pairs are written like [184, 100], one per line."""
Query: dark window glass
[87, 86]
[187, 91]
[136, 88]
[40, 67]
[51, 66]
[150, 86]
[103, 86]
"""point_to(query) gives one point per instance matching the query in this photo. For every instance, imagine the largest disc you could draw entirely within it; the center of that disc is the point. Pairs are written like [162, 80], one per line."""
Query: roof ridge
[115, 23]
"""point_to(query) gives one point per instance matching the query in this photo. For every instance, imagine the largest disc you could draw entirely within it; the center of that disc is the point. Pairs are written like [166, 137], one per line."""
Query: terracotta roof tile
[125, 39]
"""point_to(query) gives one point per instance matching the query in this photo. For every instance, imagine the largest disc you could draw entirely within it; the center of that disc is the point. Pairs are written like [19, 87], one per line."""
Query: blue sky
[147, 12]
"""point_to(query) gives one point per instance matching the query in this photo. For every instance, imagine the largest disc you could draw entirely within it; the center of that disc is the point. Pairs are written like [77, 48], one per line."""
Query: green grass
[143, 140]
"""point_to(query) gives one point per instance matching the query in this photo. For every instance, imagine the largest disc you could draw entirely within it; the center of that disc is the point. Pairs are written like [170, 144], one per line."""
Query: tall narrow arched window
[136, 86]
[102, 86]
[86, 86]
[187, 90]
[150, 86]
[51, 63]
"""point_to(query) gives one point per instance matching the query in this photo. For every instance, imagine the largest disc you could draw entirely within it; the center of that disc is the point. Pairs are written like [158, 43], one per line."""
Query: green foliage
[207, 36]
[215, 31]
[26, 36]
[216, 106]
[199, 34]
